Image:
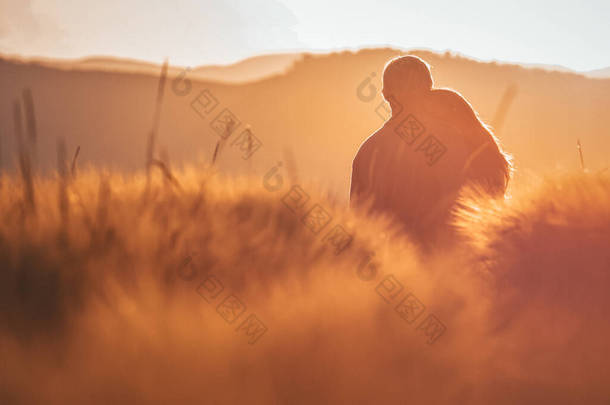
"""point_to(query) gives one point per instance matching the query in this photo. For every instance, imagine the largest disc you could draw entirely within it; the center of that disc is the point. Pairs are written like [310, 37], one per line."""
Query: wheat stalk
[24, 160]
[73, 167]
[222, 141]
[502, 111]
[166, 172]
[150, 149]
[62, 184]
[30, 120]
[582, 160]
[216, 152]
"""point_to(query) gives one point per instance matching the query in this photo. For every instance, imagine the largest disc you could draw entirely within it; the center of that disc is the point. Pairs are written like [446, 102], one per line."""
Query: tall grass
[502, 111]
[30, 121]
[25, 164]
[152, 138]
[62, 183]
[73, 166]
[580, 156]
[104, 314]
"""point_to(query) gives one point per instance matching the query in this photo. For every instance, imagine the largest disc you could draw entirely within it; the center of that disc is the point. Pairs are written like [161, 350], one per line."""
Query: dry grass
[94, 307]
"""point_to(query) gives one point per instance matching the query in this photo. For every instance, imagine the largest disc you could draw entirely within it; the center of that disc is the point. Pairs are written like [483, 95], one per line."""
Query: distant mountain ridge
[248, 69]
[314, 113]
[599, 73]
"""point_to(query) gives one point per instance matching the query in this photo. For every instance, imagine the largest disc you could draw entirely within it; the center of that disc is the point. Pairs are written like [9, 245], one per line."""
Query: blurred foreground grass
[101, 300]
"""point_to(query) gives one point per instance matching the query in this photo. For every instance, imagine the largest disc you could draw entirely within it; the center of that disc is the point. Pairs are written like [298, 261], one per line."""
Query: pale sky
[573, 34]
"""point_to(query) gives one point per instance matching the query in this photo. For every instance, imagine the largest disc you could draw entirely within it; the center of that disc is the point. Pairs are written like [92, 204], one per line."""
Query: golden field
[229, 274]
[104, 296]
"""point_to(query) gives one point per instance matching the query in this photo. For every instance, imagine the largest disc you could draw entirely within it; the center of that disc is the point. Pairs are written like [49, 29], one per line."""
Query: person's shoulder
[448, 97]
[444, 91]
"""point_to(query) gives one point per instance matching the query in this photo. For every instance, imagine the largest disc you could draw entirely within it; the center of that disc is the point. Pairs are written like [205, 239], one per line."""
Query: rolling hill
[313, 116]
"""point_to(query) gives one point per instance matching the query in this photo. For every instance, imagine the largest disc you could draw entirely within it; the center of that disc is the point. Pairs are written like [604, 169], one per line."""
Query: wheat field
[198, 288]
[193, 285]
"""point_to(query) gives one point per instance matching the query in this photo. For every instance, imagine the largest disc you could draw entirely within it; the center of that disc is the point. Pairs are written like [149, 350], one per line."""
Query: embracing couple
[433, 145]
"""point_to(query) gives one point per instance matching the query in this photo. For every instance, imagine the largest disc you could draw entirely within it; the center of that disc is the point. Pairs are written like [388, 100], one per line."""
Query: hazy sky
[193, 32]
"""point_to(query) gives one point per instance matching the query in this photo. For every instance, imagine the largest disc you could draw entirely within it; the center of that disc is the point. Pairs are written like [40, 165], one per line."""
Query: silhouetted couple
[433, 145]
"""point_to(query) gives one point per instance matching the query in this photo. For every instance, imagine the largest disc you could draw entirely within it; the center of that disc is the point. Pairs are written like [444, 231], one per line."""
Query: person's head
[487, 166]
[405, 78]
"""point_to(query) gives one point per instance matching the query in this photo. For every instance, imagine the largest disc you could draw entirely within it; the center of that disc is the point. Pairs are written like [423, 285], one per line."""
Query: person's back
[410, 169]
[414, 166]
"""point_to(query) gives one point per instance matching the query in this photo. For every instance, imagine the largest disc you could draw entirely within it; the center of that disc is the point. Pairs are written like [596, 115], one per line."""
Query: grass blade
[62, 171]
[507, 99]
[582, 160]
[24, 160]
[73, 168]
[150, 148]
[30, 121]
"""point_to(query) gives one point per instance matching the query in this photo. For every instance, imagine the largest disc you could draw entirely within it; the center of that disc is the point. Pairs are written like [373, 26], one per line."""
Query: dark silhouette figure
[433, 145]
